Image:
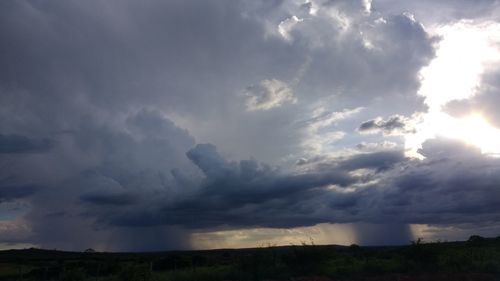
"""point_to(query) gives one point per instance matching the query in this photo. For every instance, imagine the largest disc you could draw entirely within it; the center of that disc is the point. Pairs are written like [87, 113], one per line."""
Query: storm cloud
[122, 120]
[23, 144]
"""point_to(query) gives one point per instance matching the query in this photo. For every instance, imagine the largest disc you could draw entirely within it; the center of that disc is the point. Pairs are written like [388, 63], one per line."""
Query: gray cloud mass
[129, 125]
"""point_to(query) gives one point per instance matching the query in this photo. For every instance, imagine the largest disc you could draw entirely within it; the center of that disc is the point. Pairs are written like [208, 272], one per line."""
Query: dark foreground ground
[477, 259]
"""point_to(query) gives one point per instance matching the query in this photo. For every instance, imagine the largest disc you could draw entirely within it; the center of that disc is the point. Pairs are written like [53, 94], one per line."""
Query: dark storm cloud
[23, 144]
[84, 72]
[420, 193]
[403, 191]
[130, 168]
[13, 192]
[96, 60]
[110, 199]
[111, 95]
[206, 157]
[234, 194]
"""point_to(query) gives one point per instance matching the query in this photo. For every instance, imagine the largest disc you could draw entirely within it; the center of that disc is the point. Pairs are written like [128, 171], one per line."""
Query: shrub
[476, 241]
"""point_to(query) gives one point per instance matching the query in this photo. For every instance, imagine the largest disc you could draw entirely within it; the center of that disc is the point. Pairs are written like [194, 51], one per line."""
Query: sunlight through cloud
[464, 52]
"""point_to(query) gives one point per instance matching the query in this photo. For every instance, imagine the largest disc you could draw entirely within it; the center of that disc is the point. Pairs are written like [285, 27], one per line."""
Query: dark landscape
[476, 259]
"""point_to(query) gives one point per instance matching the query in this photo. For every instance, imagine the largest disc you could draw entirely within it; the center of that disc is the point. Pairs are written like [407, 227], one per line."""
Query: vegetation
[476, 259]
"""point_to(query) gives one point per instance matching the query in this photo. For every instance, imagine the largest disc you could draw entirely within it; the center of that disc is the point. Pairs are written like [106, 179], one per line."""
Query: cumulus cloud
[268, 94]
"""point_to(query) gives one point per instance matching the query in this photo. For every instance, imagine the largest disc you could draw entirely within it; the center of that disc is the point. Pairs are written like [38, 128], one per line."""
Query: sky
[159, 125]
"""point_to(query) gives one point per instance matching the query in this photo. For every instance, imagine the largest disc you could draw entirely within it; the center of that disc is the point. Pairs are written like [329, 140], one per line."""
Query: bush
[354, 247]
[476, 241]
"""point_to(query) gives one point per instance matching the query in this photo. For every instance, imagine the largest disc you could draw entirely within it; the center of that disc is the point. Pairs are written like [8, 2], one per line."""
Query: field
[476, 259]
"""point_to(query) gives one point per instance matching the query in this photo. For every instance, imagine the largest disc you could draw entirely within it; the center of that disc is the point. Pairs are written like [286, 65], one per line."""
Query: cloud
[285, 27]
[370, 146]
[394, 125]
[121, 122]
[375, 160]
[135, 167]
[250, 194]
[22, 144]
[438, 12]
[206, 157]
[111, 199]
[403, 191]
[322, 118]
[12, 232]
[321, 129]
[420, 193]
[268, 94]
[98, 78]
[237, 194]
[13, 192]
[484, 101]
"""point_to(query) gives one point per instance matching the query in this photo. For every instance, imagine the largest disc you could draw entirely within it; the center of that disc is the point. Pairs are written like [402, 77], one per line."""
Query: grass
[476, 259]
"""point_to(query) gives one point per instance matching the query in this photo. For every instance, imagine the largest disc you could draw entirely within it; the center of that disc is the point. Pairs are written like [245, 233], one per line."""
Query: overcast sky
[155, 125]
